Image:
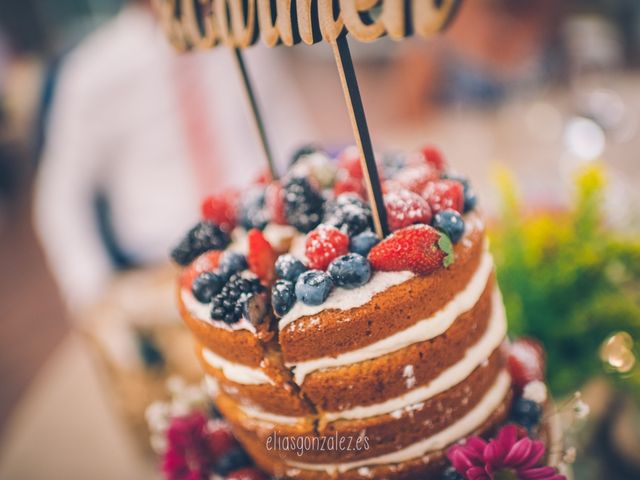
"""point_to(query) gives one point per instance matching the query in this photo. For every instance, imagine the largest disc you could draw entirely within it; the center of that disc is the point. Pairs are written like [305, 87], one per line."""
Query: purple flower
[510, 456]
[188, 454]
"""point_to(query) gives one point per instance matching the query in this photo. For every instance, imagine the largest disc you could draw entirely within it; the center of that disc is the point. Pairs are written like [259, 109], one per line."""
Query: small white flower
[569, 456]
[175, 385]
[535, 391]
[581, 409]
[157, 416]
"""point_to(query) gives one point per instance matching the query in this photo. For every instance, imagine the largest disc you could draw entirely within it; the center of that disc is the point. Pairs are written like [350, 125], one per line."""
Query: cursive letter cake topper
[238, 24]
[203, 24]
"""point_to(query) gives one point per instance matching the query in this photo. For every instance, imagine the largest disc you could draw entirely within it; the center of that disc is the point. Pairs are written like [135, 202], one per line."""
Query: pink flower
[188, 454]
[510, 456]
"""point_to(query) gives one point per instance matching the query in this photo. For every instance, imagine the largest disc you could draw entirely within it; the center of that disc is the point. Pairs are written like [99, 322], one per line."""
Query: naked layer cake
[336, 354]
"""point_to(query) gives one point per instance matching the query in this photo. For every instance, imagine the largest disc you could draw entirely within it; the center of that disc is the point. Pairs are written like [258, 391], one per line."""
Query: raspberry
[221, 209]
[261, 257]
[274, 203]
[416, 177]
[433, 157]
[303, 204]
[324, 244]
[418, 248]
[346, 184]
[349, 213]
[349, 161]
[525, 361]
[443, 195]
[405, 208]
[248, 473]
[206, 262]
[220, 438]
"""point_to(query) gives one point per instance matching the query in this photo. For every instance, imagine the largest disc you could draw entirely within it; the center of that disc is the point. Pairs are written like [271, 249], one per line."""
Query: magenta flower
[510, 456]
[188, 454]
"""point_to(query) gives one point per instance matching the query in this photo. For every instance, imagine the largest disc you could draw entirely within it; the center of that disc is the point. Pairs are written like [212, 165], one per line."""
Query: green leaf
[447, 247]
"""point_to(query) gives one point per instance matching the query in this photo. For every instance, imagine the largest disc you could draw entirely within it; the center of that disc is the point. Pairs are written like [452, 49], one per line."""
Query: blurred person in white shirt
[137, 135]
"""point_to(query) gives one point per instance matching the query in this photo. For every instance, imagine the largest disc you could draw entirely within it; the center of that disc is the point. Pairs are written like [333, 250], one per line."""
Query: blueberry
[451, 474]
[231, 262]
[363, 243]
[283, 297]
[350, 271]
[451, 223]
[526, 412]
[206, 286]
[289, 267]
[313, 287]
[232, 460]
[470, 200]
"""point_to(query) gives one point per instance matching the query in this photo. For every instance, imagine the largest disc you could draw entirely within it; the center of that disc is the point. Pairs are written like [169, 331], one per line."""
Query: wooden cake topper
[238, 24]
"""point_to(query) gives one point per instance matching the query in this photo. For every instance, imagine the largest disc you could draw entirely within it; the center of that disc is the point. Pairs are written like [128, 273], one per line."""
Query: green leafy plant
[569, 280]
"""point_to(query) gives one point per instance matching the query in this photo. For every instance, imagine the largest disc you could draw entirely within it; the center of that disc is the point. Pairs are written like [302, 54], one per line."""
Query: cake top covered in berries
[309, 235]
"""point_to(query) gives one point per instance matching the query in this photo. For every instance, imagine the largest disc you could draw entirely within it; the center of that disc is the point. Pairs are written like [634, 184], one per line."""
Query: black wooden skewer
[359, 123]
[248, 87]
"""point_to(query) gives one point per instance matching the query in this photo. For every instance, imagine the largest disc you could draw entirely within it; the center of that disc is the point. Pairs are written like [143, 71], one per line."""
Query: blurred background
[108, 139]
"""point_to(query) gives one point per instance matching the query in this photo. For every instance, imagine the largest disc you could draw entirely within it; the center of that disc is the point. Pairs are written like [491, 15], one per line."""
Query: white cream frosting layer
[344, 299]
[213, 388]
[236, 372]
[421, 331]
[473, 358]
[460, 429]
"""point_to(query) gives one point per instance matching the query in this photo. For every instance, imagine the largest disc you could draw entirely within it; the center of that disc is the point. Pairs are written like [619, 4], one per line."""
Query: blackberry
[303, 204]
[206, 285]
[303, 151]
[203, 237]
[252, 212]
[349, 213]
[228, 305]
[526, 413]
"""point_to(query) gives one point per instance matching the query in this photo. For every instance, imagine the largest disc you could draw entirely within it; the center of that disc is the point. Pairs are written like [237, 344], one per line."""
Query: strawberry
[220, 438]
[221, 209]
[206, 262]
[247, 473]
[433, 157]
[349, 161]
[274, 203]
[261, 257]
[525, 361]
[444, 194]
[416, 177]
[405, 208]
[324, 244]
[419, 248]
